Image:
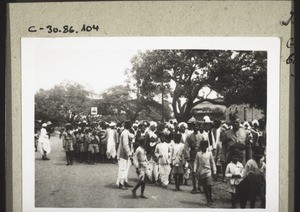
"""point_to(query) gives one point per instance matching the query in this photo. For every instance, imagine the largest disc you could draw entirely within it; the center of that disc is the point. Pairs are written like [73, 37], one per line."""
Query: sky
[93, 63]
[100, 62]
[97, 69]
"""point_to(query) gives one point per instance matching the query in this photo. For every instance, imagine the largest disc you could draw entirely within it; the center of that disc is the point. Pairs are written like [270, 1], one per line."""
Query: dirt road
[93, 186]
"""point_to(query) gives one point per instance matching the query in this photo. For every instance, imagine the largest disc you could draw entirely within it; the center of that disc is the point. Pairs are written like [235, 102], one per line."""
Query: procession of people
[193, 153]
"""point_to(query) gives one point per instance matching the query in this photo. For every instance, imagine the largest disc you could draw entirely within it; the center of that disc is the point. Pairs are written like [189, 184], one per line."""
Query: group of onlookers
[163, 152]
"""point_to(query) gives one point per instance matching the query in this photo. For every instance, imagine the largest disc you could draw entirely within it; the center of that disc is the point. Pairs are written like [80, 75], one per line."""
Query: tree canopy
[120, 102]
[237, 76]
[71, 102]
[61, 102]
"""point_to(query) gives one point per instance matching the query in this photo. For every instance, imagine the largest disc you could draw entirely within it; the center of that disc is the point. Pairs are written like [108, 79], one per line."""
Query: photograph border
[271, 45]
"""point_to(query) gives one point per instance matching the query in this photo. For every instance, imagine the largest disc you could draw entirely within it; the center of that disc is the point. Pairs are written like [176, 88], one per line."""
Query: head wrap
[184, 124]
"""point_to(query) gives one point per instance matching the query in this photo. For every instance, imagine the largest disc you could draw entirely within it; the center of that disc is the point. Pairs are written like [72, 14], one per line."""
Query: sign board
[94, 110]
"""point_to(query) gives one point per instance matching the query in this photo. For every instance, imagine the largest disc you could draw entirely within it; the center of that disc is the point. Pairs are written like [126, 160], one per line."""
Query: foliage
[70, 102]
[61, 102]
[120, 102]
[236, 76]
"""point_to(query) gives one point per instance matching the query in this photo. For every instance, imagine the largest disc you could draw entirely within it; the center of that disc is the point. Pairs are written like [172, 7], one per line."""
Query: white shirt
[234, 169]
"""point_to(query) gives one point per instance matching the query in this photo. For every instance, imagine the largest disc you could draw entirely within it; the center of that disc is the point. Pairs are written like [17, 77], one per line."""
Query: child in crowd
[177, 157]
[141, 163]
[234, 172]
[205, 167]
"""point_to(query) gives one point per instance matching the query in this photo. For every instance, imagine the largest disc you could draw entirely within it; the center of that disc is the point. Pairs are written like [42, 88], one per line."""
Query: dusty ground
[93, 186]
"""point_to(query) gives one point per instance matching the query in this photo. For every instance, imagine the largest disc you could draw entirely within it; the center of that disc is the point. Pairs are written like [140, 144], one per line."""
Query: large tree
[235, 75]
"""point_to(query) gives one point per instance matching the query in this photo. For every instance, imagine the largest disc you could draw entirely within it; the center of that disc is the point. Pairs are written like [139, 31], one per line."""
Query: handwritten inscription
[290, 43]
[285, 23]
[66, 29]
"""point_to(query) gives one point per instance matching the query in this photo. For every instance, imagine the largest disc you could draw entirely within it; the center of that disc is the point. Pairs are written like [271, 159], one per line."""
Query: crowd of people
[163, 152]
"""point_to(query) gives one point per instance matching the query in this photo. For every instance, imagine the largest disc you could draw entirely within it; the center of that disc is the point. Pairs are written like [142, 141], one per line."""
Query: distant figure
[44, 143]
[112, 139]
[36, 139]
[68, 145]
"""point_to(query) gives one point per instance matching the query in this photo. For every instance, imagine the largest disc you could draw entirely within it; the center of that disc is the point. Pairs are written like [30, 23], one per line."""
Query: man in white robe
[112, 138]
[44, 143]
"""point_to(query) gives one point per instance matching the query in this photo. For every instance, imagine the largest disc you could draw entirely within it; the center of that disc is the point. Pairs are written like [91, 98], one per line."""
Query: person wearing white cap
[44, 143]
[254, 132]
[183, 130]
[112, 138]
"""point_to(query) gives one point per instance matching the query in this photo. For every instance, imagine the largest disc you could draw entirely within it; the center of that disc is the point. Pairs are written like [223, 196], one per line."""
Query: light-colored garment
[112, 138]
[124, 153]
[234, 169]
[141, 163]
[252, 166]
[214, 138]
[163, 153]
[205, 135]
[44, 142]
[164, 172]
[184, 136]
[140, 156]
[125, 146]
[205, 164]
[177, 154]
[186, 171]
[153, 169]
[124, 165]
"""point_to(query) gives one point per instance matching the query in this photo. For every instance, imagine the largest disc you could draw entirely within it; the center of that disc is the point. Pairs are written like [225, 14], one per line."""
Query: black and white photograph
[150, 122]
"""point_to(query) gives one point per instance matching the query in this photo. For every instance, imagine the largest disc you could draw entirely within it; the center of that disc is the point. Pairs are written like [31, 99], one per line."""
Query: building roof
[211, 104]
